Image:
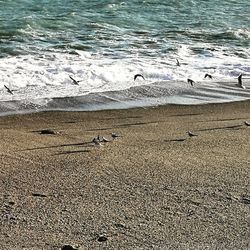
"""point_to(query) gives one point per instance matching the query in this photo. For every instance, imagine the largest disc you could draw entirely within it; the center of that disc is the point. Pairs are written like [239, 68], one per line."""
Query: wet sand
[152, 188]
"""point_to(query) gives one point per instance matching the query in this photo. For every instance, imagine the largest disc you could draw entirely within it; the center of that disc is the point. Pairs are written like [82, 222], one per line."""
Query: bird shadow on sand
[82, 144]
[48, 131]
[99, 129]
[135, 124]
[228, 119]
[125, 125]
[233, 127]
[192, 114]
[106, 119]
[176, 140]
[72, 152]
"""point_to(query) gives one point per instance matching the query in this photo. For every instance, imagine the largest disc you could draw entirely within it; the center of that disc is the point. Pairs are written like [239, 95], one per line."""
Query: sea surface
[103, 44]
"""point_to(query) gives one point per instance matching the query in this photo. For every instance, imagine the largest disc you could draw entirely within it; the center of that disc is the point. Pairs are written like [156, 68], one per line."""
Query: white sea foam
[37, 79]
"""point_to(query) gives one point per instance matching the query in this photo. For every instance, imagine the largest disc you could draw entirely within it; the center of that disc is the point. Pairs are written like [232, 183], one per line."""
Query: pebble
[68, 247]
[39, 195]
[49, 132]
[102, 238]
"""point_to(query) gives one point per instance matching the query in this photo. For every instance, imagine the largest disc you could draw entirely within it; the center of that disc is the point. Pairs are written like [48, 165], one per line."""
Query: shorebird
[105, 139]
[240, 82]
[114, 135]
[191, 134]
[177, 62]
[190, 81]
[246, 123]
[96, 142]
[208, 75]
[74, 81]
[102, 139]
[138, 75]
[8, 90]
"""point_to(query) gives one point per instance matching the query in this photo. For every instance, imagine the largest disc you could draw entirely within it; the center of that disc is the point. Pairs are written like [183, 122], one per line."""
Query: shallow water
[105, 43]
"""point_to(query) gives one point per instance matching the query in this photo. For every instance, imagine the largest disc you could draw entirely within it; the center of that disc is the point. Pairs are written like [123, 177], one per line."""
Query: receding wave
[157, 93]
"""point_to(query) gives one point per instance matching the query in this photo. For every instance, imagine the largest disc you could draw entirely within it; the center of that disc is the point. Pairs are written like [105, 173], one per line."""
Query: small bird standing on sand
[8, 90]
[191, 134]
[208, 75]
[74, 81]
[246, 123]
[177, 62]
[190, 81]
[102, 139]
[138, 75]
[96, 142]
[114, 135]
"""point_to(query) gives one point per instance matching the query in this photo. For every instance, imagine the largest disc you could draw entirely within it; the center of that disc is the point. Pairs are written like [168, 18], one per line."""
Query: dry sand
[145, 190]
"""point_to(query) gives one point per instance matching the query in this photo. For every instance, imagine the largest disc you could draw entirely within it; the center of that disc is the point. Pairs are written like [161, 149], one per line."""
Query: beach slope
[152, 188]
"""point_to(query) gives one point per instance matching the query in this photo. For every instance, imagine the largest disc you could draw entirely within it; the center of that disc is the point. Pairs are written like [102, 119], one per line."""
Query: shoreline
[147, 95]
[154, 187]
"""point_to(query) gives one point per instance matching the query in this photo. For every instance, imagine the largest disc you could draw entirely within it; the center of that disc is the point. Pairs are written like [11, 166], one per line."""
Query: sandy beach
[152, 188]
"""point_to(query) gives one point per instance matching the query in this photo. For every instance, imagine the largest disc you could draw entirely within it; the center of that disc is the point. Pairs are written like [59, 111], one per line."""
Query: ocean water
[103, 44]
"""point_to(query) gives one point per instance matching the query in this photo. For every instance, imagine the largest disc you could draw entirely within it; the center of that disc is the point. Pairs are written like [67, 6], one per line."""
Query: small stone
[102, 238]
[49, 132]
[120, 225]
[39, 195]
[245, 200]
[68, 247]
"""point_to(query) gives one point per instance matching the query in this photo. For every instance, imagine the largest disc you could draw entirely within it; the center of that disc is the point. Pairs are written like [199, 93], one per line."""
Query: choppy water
[105, 43]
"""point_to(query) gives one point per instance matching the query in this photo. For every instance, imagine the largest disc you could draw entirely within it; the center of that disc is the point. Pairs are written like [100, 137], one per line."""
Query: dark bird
[190, 81]
[247, 123]
[8, 90]
[74, 81]
[240, 81]
[177, 63]
[208, 75]
[138, 75]
[191, 134]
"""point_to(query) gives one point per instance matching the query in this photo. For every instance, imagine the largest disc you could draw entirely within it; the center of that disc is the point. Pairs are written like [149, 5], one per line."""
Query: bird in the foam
[190, 81]
[208, 76]
[74, 81]
[240, 84]
[8, 90]
[177, 62]
[138, 75]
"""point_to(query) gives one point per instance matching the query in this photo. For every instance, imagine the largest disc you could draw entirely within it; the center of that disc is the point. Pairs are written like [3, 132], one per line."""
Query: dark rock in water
[68, 247]
[102, 238]
[49, 132]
